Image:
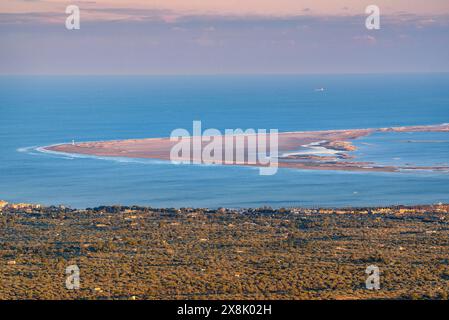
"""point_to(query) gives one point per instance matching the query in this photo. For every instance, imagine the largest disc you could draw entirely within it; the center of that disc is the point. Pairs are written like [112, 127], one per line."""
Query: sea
[37, 111]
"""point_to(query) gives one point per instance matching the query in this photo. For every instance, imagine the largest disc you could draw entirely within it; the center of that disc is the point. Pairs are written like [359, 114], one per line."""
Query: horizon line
[217, 74]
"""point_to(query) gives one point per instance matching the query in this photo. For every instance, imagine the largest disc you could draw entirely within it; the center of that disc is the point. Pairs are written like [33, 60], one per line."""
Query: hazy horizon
[217, 74]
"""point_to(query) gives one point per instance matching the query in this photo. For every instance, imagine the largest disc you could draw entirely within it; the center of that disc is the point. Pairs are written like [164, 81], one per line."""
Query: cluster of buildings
[25, 207]
[397, 210]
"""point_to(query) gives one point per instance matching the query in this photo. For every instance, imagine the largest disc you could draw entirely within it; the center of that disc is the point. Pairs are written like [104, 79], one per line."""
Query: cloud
[259, 7]
[149, 44]
[36, 18]
[91, 12]
[367, 39]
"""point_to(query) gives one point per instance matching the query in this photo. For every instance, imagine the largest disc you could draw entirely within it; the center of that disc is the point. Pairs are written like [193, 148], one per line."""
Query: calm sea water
[39, 111]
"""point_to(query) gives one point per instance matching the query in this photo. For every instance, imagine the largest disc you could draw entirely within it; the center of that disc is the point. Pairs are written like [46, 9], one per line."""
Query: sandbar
[297, 150]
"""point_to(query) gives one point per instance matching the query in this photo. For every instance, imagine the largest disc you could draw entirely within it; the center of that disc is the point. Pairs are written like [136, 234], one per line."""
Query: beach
[311, 150]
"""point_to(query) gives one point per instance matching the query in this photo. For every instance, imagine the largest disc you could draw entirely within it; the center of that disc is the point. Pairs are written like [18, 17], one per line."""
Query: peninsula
[313, 150]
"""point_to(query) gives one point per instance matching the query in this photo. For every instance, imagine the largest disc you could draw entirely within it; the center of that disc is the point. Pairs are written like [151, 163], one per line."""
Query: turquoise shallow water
[405, 148]
[38, 111]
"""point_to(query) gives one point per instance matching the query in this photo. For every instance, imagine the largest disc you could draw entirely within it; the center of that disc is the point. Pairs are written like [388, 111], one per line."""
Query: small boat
[320, 89]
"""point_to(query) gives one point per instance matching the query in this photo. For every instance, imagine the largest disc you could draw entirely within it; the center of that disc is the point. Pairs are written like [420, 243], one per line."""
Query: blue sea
[43, 110]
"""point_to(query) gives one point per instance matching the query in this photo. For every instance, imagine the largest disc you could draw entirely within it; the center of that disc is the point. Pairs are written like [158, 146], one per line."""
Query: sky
[223, 37]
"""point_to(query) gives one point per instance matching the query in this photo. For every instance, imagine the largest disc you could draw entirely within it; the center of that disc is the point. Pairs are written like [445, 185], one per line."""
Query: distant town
[397, 209]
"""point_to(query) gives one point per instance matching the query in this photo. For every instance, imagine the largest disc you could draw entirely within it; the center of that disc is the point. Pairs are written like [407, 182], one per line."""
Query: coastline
[302, 150]
[35, 208]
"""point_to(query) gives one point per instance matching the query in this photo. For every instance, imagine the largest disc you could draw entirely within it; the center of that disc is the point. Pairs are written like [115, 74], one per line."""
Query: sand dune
[296, 149]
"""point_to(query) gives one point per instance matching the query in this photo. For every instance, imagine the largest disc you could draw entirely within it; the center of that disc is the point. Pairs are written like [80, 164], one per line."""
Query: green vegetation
[145, 253]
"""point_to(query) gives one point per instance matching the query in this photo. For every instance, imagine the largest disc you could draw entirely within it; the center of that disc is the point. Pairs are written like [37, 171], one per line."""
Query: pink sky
[237, 7]
[223, 36]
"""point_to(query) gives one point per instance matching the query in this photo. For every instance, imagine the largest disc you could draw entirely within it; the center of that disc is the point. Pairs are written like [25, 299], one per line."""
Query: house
[24, 206]
[3, 204]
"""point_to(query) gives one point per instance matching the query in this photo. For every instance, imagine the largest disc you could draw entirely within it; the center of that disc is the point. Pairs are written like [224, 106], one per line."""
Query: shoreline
[337, 143]
[6, 207]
